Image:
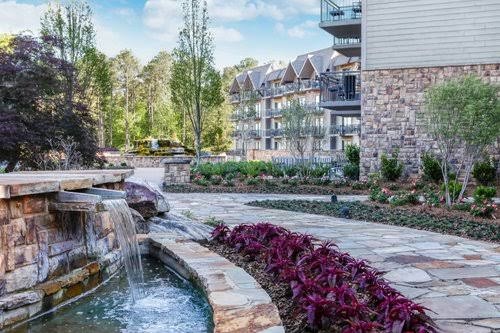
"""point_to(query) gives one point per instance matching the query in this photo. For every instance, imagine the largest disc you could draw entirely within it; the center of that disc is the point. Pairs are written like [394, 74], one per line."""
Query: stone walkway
[457, 278]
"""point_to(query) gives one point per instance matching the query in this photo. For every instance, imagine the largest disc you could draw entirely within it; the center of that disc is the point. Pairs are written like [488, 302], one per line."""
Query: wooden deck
[25, 183]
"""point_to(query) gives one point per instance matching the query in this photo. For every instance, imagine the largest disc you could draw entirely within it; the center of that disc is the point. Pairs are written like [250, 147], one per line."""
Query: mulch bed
[280, 292]
[418, 217]
[276, 189]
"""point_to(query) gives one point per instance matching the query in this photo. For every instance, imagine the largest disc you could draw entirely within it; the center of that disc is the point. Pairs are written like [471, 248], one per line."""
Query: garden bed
[316, 287]
[271, 188]
[419, 217]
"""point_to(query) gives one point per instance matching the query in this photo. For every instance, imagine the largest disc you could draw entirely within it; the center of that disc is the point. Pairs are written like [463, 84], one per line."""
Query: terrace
[341, 92]
[345, 130]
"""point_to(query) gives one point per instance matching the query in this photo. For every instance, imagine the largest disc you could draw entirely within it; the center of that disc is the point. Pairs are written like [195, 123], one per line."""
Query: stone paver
[434, 277]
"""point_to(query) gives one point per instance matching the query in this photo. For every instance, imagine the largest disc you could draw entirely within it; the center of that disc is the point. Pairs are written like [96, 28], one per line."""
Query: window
[276, 145]
[257, 145]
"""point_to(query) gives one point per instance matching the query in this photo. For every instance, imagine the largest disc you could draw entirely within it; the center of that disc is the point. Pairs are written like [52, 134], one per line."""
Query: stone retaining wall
[392, 105]
[152, 161]
[238, 302]
[48, 257]
[177, 170]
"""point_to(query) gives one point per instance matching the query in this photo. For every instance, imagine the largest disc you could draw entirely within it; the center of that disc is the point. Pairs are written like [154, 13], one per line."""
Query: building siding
[428, 33]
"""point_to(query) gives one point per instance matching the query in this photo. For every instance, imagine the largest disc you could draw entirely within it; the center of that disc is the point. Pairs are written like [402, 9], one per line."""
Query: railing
[247, 133]
[274, 112]
[334, 11]
[291, 88]
[234, 98]
[318, 131]
[345, 129]
[340, 86]
[345, 41]
[274, 132]
[256, 134]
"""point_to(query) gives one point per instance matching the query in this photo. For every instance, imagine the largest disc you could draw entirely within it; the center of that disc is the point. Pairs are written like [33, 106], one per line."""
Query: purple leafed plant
[336, 291]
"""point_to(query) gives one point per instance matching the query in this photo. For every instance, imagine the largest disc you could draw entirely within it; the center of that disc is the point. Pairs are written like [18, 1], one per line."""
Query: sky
[263, 29]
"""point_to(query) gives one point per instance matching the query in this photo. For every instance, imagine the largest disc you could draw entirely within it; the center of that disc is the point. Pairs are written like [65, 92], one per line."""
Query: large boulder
[141, 226]
[146, 198]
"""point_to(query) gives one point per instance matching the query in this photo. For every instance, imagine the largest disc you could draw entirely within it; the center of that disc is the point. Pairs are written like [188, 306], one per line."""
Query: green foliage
[360, 185]
[403, 198]
[463, 117]
[351, 171]
[485, 209]
[252, 181]
[484, 193]
[352, 152]
[380, 195]
[431, 168]
[454, 188]
[390, 167]
[484, 172]
[452, 225]
[212, 221]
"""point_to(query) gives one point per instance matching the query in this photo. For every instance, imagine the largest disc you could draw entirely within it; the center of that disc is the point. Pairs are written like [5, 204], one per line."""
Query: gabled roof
[275, 75]
[289, 74]
[252, 78]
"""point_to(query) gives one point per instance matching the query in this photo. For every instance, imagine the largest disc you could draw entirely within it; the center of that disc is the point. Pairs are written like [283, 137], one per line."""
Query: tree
[32, 100]
[71, 23]
[126, 70]
[196, 85]
[300, 132]
[97, 76]
[245, 115]
[156, 76]
[463, 117]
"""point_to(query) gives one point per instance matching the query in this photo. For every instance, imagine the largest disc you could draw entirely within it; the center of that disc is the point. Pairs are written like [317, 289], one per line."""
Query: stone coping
[238, 302]
[37, 182]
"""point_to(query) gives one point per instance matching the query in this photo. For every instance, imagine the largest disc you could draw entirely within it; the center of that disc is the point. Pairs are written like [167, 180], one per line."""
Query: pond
[169, 304]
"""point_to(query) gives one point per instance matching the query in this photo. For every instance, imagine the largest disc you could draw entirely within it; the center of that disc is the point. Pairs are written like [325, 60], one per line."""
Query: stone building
[405, 47]
[268, 89]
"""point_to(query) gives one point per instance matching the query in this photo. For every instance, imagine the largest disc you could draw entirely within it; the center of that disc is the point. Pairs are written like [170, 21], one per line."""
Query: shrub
[404, 198]
[333, 289]
[360, 185]
[431, 168]
[216, 180]
[252, 181]
[228, 183]
[484, 172]
[391, 168]
[351, 171]
[321, 181]
[484, 193]
[454, 188]
[380, 194]
[319, 171]
[483, 209]
[352, 153]
[462, 206]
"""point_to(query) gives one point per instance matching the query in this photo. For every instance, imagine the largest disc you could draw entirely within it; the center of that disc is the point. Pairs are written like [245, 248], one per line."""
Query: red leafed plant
[332, 288]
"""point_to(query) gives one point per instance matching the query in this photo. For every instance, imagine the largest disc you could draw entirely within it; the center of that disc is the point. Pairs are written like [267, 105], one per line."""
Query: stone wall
[392, 105]
[49, 257]
[177, 170]
[152, 161]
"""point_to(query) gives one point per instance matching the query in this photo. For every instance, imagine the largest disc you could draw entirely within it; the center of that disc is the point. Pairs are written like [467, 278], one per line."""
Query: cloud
[17, 17]
[302, 30]
[227, 35]
[163, 18]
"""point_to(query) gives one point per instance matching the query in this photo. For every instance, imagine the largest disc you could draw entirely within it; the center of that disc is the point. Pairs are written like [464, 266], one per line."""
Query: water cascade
[127, 239]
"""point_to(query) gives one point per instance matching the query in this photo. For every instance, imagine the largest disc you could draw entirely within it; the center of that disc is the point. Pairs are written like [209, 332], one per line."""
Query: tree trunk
[127, 129]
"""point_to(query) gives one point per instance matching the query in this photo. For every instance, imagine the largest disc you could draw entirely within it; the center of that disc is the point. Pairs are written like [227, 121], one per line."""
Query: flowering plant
[328, 285]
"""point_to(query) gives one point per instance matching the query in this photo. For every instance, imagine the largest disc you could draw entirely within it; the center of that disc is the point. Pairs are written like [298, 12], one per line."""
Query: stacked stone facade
[49, 257]
[392, 107]
[177, 170]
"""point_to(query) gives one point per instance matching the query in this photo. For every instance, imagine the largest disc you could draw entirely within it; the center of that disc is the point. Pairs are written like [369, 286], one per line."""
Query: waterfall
[127, 239]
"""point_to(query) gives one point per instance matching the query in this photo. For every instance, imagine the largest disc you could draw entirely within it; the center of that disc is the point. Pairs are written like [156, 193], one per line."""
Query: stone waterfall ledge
[19, 307]
[238, 302]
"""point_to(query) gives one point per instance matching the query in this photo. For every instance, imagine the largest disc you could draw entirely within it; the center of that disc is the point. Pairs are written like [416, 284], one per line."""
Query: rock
[146, 198]
[408, 275]
[345, 213]
[179, 226]
[141, 226]
[15, 301]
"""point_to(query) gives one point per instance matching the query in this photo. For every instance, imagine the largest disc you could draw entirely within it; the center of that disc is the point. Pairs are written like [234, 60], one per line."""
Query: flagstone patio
[456, 278]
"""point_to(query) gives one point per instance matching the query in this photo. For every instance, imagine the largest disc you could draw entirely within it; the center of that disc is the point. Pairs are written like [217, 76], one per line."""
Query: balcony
[274, 112]
[255, 134]
[318, 131]
[341, 92]
[274, 132]
[234, 98]
[350, 47]
[341, 18]
[290, 88]
[346, 130]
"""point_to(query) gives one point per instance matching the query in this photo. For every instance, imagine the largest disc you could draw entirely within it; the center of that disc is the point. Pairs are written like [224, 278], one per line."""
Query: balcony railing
[345, 41]
[291, 88]
[255, 134]
[274, 132]
[274, 112]
[345, 129]
[340, 86]
[340, 10]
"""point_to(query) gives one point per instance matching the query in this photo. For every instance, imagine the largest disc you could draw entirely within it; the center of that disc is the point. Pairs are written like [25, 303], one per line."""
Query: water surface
[169, 305]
